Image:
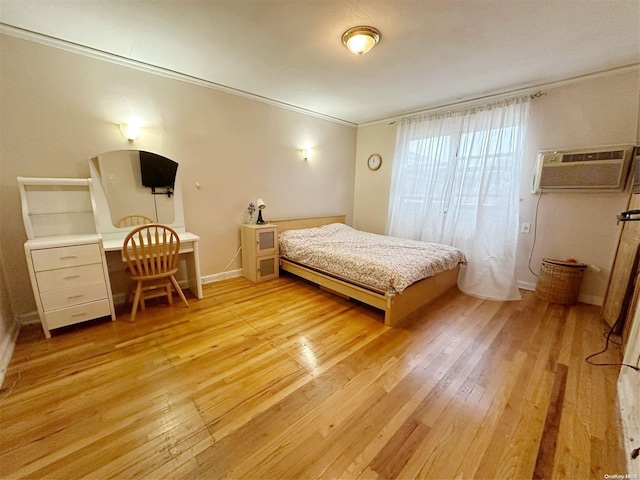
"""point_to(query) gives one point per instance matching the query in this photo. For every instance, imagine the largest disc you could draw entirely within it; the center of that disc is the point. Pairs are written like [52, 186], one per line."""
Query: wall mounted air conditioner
[602, 169]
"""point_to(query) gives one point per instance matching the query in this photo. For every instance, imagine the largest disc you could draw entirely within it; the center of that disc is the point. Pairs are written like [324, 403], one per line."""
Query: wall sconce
[261, 206]
[359, 40]
[130, 131]
[305, 153]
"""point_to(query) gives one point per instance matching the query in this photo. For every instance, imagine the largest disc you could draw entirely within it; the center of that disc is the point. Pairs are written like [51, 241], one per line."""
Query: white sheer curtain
[456, 181]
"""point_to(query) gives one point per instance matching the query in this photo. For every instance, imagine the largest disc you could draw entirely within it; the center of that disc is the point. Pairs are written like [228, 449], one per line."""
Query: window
[455, 181]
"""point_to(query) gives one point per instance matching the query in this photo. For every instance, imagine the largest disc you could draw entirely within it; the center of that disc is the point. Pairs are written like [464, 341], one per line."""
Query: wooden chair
[133, 221]
[151, 253]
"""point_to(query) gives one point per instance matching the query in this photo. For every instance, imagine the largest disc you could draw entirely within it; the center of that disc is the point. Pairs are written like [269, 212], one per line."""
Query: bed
[397, 296]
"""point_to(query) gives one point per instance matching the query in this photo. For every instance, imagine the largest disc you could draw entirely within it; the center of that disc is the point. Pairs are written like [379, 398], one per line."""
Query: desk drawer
[69, 277]
[67, 297]
[76, 314]
[62, 257]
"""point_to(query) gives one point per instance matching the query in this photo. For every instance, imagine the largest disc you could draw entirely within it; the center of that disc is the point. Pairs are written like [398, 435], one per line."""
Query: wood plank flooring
[284, 380]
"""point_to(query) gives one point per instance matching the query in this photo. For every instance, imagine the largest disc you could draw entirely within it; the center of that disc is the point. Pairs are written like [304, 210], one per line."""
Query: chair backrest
[132, 221]
[151, 251]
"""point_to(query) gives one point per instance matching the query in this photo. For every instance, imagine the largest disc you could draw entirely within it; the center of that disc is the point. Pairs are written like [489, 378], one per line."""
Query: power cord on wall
[215, 277]
[6, 392]
[535, 233]
[606, 347]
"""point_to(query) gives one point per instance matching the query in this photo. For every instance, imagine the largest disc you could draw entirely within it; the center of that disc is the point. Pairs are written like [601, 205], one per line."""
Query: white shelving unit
[65, 255]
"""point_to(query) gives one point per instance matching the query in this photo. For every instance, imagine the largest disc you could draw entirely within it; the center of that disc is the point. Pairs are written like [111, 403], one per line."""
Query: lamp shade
[306, 153]
[260, 204]
[130, 131]
[360, 40]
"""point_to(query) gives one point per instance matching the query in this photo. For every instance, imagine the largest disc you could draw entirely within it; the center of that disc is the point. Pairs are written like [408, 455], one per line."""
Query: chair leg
[179, 290]
[169, 294]
[136, 300]
[130, 291]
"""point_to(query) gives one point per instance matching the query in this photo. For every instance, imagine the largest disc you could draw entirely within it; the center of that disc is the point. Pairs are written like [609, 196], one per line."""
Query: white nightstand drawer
[67, 297]
[51, 258]
[78, 313]
[69, 277]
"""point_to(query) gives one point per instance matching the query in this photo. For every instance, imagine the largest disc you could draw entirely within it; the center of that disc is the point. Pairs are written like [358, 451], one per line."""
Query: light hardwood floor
[284, 380]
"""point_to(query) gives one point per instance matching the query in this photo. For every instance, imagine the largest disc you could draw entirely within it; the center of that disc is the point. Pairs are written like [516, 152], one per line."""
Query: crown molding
[155, 70]
[536, 90]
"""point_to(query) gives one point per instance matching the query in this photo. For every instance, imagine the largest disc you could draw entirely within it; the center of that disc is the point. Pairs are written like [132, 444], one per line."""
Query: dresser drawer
[52, 258]
[67, 297]
[69, 277]
[78, 313]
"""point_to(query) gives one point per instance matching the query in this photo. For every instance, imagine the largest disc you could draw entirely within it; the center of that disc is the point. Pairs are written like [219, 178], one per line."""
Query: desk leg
[195, 279]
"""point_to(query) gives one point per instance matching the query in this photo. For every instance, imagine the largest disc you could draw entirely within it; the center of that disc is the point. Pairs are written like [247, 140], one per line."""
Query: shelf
[56, 206]
[66, 212]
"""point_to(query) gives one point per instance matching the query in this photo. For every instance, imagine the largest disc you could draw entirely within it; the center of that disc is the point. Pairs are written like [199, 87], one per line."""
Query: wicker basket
[559, 282]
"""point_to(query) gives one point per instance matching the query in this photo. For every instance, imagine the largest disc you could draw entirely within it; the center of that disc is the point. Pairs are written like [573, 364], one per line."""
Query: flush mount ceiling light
[360, 40]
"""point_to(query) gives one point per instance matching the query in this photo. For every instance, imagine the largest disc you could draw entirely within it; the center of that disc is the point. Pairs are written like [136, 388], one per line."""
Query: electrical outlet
[525, 227]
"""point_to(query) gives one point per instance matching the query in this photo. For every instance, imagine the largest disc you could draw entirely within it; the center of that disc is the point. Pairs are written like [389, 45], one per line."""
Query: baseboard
[526, 285]
[28, 318]
[628, 403]
[218, 277]
[119, 298]
[7, 346]
[589, 299]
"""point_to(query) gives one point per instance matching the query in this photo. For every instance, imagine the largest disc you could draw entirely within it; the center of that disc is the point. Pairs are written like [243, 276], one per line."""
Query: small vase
[249, 218]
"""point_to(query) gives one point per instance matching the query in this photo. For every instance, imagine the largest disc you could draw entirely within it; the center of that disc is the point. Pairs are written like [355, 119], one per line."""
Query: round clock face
[374, 161]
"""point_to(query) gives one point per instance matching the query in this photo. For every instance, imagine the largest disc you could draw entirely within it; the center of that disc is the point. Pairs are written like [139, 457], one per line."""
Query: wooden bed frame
[396, 306]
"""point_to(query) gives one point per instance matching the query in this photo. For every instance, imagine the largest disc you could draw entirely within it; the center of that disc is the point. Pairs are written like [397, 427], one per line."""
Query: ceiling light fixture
[360, 40]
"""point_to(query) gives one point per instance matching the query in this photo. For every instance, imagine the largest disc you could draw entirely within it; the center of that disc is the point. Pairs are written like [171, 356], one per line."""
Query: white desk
[188, 248]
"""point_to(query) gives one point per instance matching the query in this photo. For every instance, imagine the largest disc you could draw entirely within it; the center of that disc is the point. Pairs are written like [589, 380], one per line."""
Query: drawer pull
[79, 314]
[68, 257]
[75, 296]
[71, 277]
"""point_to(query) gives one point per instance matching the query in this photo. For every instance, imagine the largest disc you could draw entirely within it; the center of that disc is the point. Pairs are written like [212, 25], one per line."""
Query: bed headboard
[309, 222]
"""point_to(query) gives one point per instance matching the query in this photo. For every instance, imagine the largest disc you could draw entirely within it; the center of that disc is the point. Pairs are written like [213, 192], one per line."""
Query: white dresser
[70, 280]
[65, 256]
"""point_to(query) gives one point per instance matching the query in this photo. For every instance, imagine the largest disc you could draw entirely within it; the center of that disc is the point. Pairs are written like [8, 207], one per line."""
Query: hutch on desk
[65, 257]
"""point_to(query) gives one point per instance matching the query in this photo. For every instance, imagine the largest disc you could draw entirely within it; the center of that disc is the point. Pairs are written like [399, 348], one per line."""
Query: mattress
[387, 264]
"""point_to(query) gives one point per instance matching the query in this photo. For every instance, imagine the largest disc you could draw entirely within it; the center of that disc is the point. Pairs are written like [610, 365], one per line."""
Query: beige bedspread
[385, 263]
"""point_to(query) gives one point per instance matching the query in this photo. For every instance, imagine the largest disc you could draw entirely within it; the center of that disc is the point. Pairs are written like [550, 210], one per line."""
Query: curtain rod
[471, 102]
[537, 89]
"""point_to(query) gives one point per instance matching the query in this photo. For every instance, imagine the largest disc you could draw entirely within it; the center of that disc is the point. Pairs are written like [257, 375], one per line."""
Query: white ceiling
[432, 52]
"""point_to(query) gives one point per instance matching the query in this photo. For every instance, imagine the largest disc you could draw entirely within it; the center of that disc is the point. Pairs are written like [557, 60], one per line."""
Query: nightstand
[259, 252]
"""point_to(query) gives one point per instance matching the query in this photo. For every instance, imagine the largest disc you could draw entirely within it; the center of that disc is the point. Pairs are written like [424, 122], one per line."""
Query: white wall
[372, 187]
[596, 111]
[59, 108]
[8, 324]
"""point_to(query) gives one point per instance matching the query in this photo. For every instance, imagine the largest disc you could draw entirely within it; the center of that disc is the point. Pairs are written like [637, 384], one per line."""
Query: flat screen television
[157, 171]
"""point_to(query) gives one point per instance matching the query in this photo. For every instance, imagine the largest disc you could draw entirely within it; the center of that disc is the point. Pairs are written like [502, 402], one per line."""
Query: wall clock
[374, 162]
